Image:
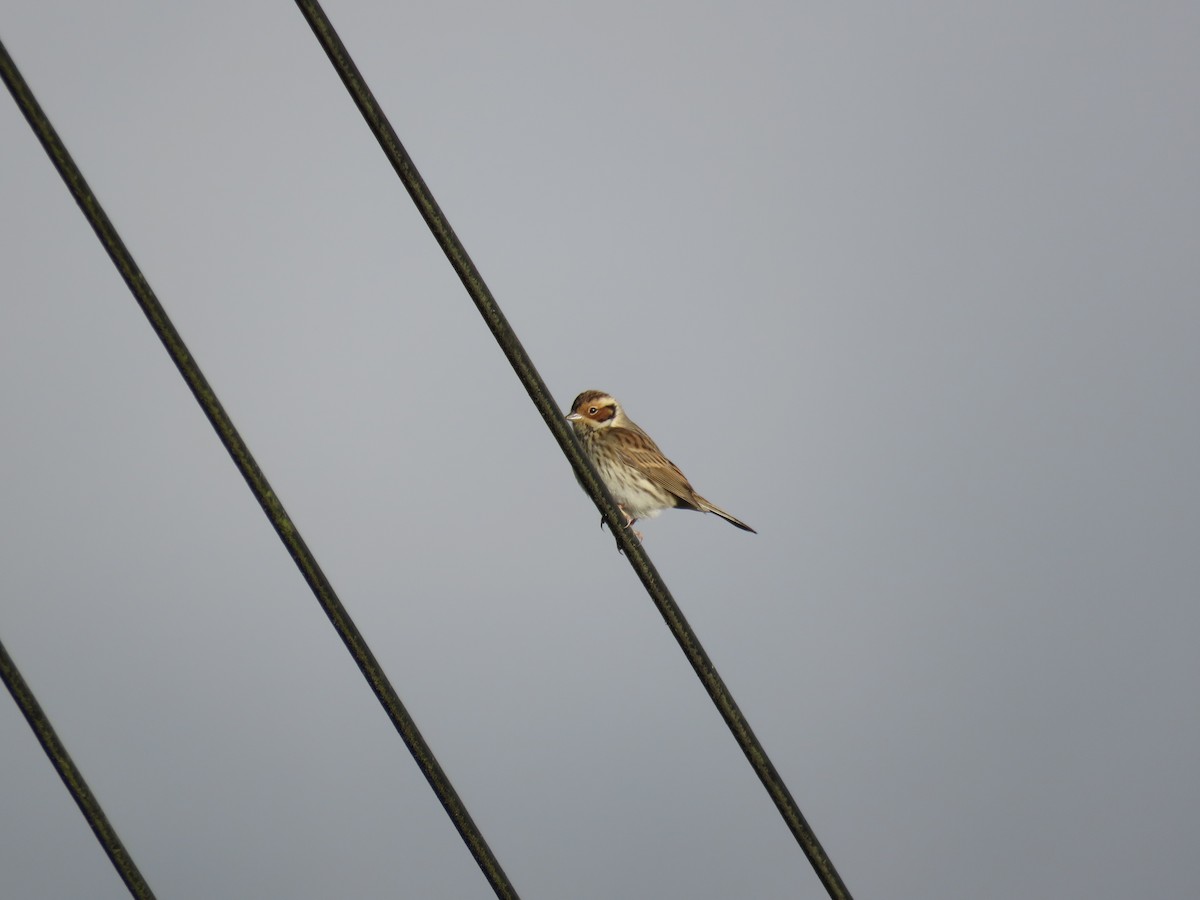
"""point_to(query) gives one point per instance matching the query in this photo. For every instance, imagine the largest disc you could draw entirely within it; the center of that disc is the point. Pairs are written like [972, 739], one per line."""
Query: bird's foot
[629, 520]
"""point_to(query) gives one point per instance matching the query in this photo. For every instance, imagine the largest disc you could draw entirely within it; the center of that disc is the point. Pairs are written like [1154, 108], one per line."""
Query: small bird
[640, 478]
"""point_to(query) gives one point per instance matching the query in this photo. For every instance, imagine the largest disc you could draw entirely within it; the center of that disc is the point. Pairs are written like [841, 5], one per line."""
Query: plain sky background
[914, 289]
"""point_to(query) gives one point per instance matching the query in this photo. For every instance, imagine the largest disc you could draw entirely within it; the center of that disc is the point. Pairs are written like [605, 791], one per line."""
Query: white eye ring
[592, 411]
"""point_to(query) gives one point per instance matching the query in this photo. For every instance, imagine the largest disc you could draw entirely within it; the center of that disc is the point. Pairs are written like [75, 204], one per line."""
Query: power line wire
[473, 281]
[71, 776]
[229, 436]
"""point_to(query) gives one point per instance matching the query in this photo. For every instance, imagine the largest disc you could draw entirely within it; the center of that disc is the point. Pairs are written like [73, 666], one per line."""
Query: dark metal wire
[70, 775]
[538, 392]
[288, 533]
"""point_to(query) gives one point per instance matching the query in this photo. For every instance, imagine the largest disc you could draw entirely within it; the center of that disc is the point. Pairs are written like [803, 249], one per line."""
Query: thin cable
[73, 779]
[533, 384]
[242, 458]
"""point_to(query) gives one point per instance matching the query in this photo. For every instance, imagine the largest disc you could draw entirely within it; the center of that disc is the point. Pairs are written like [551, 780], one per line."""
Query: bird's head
[592, 410]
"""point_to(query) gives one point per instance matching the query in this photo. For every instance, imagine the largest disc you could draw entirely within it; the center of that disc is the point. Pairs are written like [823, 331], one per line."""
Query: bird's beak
[573, 417]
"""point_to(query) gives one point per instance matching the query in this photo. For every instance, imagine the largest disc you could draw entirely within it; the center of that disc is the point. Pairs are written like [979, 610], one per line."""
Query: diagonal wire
[533, 384]
[72, 777]
[254, 476]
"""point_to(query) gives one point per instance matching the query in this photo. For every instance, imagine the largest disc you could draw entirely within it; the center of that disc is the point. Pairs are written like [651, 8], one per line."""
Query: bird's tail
[705, 506]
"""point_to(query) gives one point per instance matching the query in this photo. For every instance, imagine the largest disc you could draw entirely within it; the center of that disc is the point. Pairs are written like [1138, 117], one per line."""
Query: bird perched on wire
[640, 478]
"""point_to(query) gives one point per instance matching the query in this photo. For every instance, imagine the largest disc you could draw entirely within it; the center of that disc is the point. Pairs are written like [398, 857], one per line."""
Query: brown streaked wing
[636, 449]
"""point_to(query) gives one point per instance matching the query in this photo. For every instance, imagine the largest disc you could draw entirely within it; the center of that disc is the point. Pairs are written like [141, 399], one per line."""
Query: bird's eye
[592, 411]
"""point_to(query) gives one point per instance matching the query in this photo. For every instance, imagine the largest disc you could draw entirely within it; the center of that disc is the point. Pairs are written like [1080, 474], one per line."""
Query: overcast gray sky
[913, 289]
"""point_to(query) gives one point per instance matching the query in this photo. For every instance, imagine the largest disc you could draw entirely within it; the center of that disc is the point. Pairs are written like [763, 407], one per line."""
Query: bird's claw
[629, 520]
